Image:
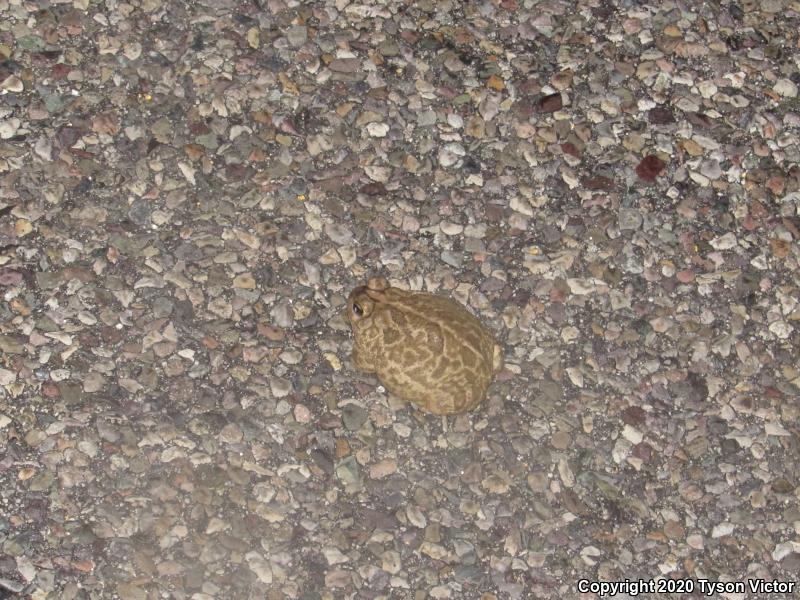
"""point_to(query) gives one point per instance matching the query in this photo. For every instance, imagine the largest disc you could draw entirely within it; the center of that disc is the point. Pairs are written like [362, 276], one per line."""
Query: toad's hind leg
[455, 399]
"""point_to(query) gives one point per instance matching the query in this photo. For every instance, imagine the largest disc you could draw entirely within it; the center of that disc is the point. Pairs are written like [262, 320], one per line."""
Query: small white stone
[699, 179]
[450, 228]
[378, 129]
[401, 429]
[7, 377]
[26, 568]
[582, 287]
[334, 556]
[133, 132]
[521, 206]
[569, 333]
[722, 530]
[450, 154]
[724, 242]
[781, 329]
[620, 450]
[474, 179]
[575, 376]
[391, 562]
[132, 50]
[776, 429]
[784, 549]
[12, 83]
[260, 566]
[9, 128]
[695, 541]
[706, 142]
[379, 174]
[416, 517]
[446, 158]
[435, 551]
[707, 88]
[633, 435]
[455, 120]
[589, 553]
[786, 88]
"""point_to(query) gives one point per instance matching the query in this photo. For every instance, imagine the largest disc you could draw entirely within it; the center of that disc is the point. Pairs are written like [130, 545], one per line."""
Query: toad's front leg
[361, 361]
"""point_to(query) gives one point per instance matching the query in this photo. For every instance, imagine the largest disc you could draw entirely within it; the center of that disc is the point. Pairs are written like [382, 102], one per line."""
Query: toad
[423, 347]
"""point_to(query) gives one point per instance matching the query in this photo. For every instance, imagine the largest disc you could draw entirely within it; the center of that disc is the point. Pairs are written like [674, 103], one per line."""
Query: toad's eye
[357, 310]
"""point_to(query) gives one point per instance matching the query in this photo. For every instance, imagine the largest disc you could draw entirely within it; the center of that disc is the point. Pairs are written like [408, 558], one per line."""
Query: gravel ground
[188, 192]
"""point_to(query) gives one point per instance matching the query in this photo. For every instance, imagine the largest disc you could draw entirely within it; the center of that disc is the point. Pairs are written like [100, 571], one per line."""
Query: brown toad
[423, 347]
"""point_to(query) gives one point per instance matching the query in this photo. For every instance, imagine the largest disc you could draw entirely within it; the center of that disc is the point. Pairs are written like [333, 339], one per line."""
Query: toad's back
[434, 352]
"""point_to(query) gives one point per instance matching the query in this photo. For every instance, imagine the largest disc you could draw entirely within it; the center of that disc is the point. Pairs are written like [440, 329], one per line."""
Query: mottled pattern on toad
[425, 348]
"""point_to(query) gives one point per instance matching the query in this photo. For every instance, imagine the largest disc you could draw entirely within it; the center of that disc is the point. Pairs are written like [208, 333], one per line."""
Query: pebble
[13, 84]
[345, 65]
[297, 35]
[629, 219]
[353, 416]
[349, 473]
[9, 128]
[722, 529]
[724, 242]
[378, 130]
[383, 468]
[391, 562]
[786, 88]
